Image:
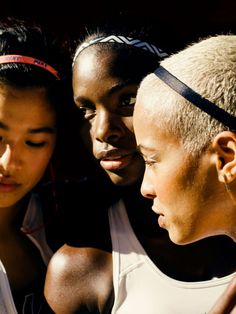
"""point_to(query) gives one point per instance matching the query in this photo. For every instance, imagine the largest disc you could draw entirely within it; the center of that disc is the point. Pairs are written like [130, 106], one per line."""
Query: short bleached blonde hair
[209, 68]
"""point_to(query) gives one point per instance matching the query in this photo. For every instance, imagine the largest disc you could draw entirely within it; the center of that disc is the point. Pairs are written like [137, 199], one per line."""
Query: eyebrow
[139, 149]
[114, 89]
[117, 87]
[45, 129]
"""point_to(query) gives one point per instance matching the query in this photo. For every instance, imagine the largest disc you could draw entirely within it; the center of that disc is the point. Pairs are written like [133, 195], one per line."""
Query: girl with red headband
[31, 102]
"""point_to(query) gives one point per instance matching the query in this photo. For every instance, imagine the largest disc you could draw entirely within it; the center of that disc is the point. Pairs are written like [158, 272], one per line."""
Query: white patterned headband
[122, 40]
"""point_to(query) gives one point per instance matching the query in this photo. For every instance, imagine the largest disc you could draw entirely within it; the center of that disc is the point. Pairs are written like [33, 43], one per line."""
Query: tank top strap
[127, 251]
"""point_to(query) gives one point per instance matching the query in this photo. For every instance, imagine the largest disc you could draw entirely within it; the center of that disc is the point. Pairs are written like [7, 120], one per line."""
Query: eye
[35, 144]
[128, 100]
[88, 110]
[126, 105]
[151, 160]
[149, 163]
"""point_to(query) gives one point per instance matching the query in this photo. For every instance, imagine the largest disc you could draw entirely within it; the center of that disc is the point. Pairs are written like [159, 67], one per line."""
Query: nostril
[108, 138]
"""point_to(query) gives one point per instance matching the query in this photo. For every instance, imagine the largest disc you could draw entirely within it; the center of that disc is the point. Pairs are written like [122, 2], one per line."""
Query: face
[107, 102]
[180, 185]
[27, 140]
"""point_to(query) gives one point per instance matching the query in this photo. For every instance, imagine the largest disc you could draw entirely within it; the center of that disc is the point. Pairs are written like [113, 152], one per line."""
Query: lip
[8, 185]
[115, 159]
[116, 162]
[161, 221]
[161, 217]
[113, 153]
[156, 210]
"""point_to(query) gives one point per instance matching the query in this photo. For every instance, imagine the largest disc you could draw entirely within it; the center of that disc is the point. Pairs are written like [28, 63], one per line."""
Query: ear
[224, 145]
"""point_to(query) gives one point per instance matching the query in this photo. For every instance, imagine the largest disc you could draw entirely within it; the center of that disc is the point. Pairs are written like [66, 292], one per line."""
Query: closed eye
[149, 163]
[36, 144]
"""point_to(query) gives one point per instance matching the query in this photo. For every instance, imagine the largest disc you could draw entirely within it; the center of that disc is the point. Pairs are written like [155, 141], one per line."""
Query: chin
[178, 238]
[122, 180]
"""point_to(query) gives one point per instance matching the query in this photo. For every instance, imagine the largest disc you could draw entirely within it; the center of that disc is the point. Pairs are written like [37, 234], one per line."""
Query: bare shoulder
[79, 279]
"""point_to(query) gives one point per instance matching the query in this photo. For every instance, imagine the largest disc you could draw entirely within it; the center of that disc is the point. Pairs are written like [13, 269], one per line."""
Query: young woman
[193, 94]
[120, 261]
[31, 101]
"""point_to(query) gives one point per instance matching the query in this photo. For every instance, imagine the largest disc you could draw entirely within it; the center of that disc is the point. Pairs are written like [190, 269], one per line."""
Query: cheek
[128, 122]
[129, 132]
[170, 187]
[87, 134]
[38, 165]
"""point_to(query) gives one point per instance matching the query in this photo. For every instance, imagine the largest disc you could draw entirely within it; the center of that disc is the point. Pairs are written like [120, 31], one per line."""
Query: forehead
[96, 75]
[156, 97]
[154, 104]
[123, 63]
[93, 58]
[27, 104]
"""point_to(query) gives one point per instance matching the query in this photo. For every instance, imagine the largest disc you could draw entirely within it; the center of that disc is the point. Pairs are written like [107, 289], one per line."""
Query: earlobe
[224, 146]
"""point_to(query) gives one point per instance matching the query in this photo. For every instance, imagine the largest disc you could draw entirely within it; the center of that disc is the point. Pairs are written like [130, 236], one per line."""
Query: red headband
[28, 60]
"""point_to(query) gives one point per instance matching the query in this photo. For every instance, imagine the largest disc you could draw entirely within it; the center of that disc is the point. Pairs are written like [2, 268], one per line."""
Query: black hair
[18, 37]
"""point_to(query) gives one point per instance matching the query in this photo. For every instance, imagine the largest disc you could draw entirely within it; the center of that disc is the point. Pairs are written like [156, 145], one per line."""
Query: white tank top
[141, 288]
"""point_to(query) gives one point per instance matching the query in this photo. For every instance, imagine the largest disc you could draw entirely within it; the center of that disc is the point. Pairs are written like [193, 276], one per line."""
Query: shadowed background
[176, 22]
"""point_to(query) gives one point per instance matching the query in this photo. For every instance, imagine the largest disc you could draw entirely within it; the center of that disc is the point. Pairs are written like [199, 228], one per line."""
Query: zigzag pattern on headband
[123, 40]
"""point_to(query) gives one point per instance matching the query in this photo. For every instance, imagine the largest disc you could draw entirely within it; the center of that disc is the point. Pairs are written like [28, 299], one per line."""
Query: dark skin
[79, 278]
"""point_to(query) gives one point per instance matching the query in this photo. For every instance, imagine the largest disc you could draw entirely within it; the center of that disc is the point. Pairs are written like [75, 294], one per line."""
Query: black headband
[196, 99]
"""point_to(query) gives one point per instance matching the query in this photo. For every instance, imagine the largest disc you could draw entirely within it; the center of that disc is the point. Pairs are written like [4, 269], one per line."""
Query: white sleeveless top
[141, 288]
[32, 219]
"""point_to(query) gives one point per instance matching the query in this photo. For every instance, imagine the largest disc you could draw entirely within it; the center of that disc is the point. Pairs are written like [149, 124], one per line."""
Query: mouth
[161, 217]
[116, 162]
[115, 159]
[7, 185]
[161, 221]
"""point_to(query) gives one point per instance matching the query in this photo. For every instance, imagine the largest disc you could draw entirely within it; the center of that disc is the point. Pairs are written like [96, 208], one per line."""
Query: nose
[147, 188]
[109, 127]
[9, 159]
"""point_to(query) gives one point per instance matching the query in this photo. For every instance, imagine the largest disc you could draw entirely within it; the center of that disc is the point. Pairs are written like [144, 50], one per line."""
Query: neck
[12, 217]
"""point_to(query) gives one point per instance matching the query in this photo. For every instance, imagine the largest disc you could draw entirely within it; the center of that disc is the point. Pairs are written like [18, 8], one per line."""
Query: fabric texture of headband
[29, 60]
[122, 40]
[196, 99]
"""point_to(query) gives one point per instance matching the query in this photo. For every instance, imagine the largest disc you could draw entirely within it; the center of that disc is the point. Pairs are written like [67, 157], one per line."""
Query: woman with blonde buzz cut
[189, 143]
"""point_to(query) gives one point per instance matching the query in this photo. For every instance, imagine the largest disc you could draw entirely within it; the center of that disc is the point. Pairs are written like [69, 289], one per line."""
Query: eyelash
[88, 110]
[35, 145]
[29, 143]
[149, 163]
[131, 100]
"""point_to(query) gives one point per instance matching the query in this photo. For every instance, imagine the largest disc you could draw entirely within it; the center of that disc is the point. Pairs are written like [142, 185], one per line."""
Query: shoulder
[79, 278]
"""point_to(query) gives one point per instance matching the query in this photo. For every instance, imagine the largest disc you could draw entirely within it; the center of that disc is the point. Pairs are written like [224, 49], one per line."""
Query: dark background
[176, 22]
